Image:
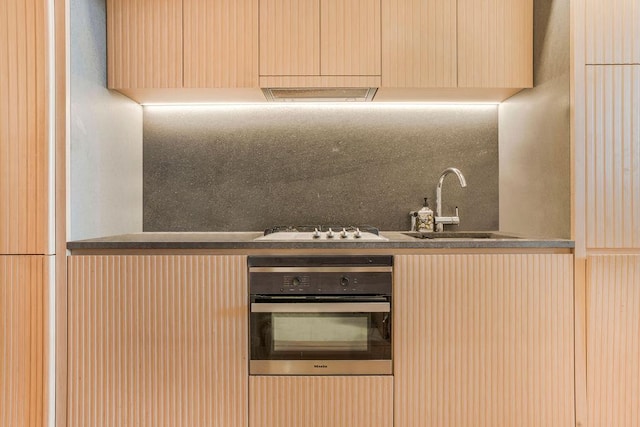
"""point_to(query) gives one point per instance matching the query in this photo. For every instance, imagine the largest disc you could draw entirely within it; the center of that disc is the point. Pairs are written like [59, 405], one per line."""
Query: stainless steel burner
[318, 233]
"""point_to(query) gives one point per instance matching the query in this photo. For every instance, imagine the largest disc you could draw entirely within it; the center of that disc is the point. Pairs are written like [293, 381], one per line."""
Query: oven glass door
[320, 330]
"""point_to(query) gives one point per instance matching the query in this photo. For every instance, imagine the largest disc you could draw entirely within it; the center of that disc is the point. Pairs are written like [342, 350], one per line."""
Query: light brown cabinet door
[144, 39]
[613, 156]
[613, 32]
[157, 341]
[319, 38]
[24, 133]
[495, 43]
[613, 340]
[289, 37]
[419, 43]
[350, 38]
[220, 43]
[23, 369]
[321, 401]
[483, 340]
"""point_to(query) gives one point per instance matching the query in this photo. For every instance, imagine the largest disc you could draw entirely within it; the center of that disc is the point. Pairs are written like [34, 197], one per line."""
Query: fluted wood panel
[157, 341]
[144, 39]
[419, 43]
[483, 340]
[350, 38]
[22, 341]
[495, 43]
[23, 127]
[289, 37]
[321, 401]
[613, 156]
[613, 340]
[220, 43]
[613, 35]
[320, 81]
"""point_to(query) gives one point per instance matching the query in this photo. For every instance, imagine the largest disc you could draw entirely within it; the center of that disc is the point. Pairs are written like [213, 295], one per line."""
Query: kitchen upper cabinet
[613, 32]
[157, 341]
[24, 131]
[613, 156]
[331, 42]
[23, 348]
[321, 401]
[613, 340]
[289, 37]
[181, 44]
[220, 43]
[483, 340]
[419, 43]
[495, 43]
[144, 40]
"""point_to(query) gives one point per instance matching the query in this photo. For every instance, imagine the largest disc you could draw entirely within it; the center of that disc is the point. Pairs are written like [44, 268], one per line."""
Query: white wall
[534, 135]
[105, 136]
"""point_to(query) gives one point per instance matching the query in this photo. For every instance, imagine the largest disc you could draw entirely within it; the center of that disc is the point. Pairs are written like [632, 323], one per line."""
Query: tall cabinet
[24, 212]
[611, 208]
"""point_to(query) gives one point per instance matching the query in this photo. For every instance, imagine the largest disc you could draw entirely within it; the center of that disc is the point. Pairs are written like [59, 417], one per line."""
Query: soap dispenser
[424, 219]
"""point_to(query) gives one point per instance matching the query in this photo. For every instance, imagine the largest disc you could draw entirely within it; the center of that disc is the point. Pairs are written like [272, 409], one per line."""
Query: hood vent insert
[355, 94]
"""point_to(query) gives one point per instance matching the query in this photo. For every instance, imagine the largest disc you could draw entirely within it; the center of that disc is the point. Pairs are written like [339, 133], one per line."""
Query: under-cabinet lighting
[323, 105]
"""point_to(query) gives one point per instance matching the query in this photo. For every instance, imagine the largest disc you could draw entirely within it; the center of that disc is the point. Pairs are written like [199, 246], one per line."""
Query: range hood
[335, 94]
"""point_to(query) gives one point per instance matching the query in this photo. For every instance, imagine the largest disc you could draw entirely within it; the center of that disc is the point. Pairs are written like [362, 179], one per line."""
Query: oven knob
[295, 281]
[344, 281]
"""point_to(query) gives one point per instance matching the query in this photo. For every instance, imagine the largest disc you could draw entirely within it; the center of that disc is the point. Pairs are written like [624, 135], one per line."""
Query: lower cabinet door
[157, 341]
[483, 340]
[613, 340]
[23, 350]
[321, 401]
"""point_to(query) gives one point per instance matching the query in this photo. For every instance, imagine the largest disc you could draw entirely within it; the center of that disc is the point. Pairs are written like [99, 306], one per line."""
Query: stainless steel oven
[320, 315]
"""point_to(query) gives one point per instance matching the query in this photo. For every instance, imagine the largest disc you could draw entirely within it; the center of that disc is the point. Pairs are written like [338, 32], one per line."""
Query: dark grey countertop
[245, 240]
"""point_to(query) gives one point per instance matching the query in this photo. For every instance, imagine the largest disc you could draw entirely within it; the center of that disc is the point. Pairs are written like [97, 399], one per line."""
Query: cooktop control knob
[357, 233]
[316, 234]
[330, 234]
[344, 281]
[343, 233]
[295, 281]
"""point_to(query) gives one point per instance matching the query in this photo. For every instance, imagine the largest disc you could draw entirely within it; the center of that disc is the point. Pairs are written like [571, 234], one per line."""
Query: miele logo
[320, 366]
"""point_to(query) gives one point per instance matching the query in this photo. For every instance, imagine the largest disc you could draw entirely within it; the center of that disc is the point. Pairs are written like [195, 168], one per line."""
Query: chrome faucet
[439, 219]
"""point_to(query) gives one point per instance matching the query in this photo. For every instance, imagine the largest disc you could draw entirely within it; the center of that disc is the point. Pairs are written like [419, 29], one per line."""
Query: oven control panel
[369, 276]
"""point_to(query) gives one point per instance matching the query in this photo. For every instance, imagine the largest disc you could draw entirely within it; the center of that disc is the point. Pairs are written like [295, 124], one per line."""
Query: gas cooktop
[322, 233]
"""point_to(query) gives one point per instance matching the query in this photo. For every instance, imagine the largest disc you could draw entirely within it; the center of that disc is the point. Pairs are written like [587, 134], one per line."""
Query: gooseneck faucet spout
[439, 219]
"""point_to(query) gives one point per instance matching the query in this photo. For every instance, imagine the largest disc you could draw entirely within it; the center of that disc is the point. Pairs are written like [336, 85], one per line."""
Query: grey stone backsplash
[249, 167]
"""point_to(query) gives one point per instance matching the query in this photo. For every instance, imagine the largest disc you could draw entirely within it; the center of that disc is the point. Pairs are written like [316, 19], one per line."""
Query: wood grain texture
[144, 43]
[321, 401]
[614, 32]
[419, 43]
[483, 340]
[24, 132]
[613, 156]
[22, 341]
[157, 341]
[350, 38]
[220, 43]
[320, 81]
[613, 338]
[289, 37]
[495, 43]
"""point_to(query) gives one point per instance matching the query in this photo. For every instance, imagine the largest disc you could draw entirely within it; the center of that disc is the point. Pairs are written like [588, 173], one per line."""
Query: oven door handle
[323, 307]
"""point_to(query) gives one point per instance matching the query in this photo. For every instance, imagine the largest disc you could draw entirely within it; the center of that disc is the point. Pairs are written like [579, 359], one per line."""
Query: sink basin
[460, 235]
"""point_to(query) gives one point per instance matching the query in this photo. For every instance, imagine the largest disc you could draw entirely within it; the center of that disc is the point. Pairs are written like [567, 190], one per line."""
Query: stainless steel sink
[460, 235]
